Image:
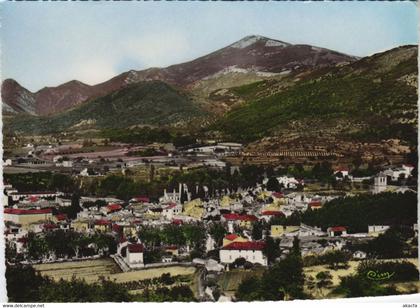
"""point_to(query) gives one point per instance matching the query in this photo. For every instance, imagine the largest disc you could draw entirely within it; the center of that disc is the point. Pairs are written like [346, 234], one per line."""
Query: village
[214, 231]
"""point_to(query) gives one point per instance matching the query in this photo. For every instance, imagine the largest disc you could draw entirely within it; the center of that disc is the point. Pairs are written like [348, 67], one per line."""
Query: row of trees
[64, 244]
[360, 211]
[40, 181]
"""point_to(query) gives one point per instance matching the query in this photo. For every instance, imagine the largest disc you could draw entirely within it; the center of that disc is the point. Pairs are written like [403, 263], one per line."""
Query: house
[27, 216]
[16, 196]
[80, 225]
[171, 209]
[102, 225]
[341, 174]
[279, 230]
[359, 255]
[63, 202]
[379, 183]
[375, 230]
[337, 231]
[111, 208]
[306, 231]
[402, 172]
[267, 215]
[231, 238]
[250, 251]
[315, 205]
[244, 221]
[129, 255]
[140, 199]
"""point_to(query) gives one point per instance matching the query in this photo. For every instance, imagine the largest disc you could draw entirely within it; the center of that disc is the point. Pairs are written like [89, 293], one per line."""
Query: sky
[49, 43]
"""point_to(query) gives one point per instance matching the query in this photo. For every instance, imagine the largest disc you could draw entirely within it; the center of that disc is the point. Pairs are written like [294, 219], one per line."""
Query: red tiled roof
[170, 206]
[273, 213]
[102, 222]
[245, 246]
[61, 217]
[177, 221]
[277, 194]
[114, 207]
[341, 170]
[142, 199]
[315, 203]
[49, 226]
[135, 247]
[116, 228]
[240, 217]
[33, 198]
[27, 212]
[231, 237]
[171, 247]
[35, 193]
[337, 229]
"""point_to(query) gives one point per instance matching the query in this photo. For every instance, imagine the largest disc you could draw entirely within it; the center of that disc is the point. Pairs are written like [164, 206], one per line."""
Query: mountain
[151, 103]
[372, 99]
[263, 57]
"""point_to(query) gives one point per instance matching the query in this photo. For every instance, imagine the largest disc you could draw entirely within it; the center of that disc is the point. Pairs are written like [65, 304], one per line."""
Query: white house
[131, 254]
[395, 173]
[337, 231]
[171, 210]
[360, 255]
[379, 183]
[250, 251]
[377, 229]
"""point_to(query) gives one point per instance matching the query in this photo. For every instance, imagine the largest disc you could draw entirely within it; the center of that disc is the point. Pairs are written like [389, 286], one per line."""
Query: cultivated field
[91, 270]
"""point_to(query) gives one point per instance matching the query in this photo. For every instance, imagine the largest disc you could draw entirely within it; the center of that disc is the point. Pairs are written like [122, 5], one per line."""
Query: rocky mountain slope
[256, 55]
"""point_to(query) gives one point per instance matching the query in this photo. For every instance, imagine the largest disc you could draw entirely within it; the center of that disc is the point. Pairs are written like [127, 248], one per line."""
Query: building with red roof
[111, 208]
[251, 251]
[337, 231]
[315, 205]
[27, 216]
[277, 195]
[231, 237]
[141, 199]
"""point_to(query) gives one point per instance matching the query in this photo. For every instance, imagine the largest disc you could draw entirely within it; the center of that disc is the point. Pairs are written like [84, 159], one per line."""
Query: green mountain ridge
[144, 103]
[377, 94]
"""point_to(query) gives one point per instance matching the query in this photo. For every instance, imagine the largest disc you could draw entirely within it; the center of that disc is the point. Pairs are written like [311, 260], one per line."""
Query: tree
[217, 231]
[257, 230]
[323, 280]
[358, 286]
[249, 290]
[271, 249]
[273, 184]
[336, 259]
[387, 245]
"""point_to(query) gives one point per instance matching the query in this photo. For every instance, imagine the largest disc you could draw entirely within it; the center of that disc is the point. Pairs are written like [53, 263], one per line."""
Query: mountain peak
[252, 39]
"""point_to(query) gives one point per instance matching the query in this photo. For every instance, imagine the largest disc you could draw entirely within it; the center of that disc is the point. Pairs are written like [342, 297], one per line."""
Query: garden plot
[91, 270]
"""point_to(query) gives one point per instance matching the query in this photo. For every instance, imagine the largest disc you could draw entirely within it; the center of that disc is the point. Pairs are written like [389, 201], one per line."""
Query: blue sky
[46, 44]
